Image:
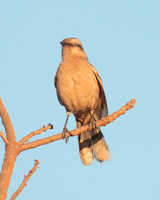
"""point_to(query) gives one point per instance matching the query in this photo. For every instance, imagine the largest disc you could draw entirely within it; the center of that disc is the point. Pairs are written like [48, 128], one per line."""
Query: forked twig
[2, 135]
[26, 178]
[33, 133]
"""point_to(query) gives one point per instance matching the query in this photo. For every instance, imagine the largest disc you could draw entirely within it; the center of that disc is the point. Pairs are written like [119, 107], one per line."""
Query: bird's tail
[92, 144]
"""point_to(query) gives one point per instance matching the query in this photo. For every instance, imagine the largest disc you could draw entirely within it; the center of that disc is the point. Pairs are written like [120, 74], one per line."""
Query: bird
[80, 90]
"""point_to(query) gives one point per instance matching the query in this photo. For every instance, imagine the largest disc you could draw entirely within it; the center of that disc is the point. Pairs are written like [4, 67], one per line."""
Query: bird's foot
[92, 123]
[64, 134]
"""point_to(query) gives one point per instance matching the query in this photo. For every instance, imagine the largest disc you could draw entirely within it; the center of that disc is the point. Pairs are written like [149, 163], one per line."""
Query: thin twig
[33, 133]
[26, 178]
[2, 135]
[103, 122]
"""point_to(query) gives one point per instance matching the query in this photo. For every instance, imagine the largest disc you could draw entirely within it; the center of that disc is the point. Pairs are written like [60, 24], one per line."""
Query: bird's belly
[78, 95]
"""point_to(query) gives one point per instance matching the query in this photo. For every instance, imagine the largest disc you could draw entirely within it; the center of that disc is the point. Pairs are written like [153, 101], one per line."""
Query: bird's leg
[92, 121]
[65, 130]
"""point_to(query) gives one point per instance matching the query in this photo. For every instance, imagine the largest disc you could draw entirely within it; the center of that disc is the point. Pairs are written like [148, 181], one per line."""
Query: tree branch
[80, 130]
[13, 149]
[3, 137]
[11, 153]
[7, 123]
[26, 178]
[33, 133]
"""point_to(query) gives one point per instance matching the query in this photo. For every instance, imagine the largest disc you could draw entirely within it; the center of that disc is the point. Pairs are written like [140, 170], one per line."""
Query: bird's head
[72, 47]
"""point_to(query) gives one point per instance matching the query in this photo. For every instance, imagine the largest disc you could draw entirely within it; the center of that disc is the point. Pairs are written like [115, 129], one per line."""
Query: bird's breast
[77, 88]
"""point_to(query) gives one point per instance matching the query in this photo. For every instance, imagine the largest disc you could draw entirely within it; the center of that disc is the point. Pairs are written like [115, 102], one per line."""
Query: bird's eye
[74, 44]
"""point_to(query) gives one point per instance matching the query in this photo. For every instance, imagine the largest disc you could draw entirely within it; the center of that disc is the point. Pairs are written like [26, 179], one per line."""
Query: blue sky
[122, 40]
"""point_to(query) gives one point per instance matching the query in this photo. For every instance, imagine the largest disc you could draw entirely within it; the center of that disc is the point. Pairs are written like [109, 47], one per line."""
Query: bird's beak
[61, 43]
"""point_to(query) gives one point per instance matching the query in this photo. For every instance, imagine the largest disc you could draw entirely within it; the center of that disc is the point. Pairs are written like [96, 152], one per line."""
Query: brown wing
[102, 109]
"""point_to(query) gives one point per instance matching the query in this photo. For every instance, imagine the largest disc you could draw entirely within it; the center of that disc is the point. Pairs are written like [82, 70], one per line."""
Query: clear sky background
[122, 40]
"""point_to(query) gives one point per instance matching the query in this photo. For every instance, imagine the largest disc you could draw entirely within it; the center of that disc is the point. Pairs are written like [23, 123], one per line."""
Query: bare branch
[13, 149]
[33, 133]
[7, 123]
[116, 114]
[26, 178]
[3, 137]
[11, 153]
[80, 130]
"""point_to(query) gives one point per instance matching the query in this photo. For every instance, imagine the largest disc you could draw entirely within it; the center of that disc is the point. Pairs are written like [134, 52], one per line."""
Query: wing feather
[102, 104]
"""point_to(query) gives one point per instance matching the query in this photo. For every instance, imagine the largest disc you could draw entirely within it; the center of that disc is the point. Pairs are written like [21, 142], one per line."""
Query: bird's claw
[93, 125]
[64, 134]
